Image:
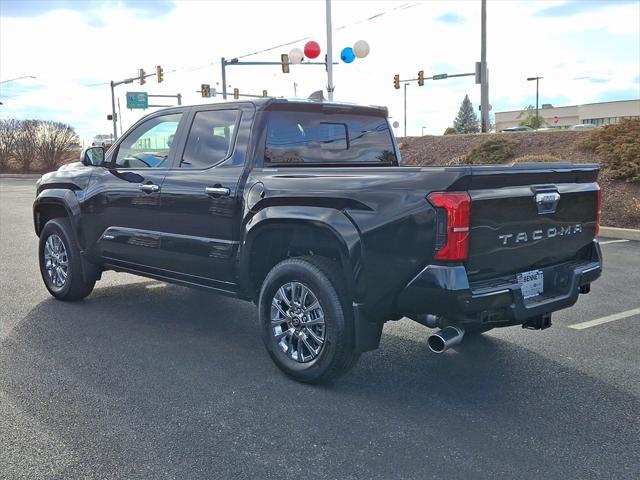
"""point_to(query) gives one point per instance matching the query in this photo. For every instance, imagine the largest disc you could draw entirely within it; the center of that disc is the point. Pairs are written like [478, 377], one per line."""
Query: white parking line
[613, 241]
[607, 319]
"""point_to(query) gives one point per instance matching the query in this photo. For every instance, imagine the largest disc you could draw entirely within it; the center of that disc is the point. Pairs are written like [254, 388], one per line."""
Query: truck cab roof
[270, 103]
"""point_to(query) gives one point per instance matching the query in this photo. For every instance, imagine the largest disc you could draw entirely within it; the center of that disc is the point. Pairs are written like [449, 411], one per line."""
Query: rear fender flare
[332, 221]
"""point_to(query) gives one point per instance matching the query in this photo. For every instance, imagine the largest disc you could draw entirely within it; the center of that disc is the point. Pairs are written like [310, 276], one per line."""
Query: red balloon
[311, 49]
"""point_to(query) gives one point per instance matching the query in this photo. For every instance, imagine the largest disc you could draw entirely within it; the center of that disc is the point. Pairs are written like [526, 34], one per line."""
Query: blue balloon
[347, 55]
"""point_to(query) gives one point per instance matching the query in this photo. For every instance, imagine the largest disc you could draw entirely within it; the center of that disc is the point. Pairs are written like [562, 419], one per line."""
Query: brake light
[457, 206]
[598, 209]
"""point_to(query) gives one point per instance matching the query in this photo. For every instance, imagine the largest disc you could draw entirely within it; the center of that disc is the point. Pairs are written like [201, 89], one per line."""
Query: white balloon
[361, 48]
[296, 55]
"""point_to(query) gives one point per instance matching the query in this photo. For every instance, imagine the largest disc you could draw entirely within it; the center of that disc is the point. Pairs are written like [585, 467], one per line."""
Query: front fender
[335, 222]
[60, 197]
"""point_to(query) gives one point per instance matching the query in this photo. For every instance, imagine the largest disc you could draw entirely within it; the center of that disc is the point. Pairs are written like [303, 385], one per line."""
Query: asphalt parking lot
[148, 380]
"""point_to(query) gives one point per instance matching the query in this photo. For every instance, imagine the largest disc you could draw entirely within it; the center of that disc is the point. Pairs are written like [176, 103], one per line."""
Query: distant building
[597, 114]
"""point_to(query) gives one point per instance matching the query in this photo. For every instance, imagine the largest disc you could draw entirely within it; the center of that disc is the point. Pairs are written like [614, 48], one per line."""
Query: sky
[586, 50]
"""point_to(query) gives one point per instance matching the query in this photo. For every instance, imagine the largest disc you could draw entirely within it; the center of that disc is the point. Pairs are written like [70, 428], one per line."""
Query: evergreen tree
[466, 121]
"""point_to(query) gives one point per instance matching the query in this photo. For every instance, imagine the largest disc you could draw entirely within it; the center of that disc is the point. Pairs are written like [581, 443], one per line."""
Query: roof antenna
[317, 96]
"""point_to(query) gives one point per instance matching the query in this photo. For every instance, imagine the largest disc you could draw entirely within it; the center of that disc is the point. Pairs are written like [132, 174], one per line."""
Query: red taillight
[458, 208]
[598, 209]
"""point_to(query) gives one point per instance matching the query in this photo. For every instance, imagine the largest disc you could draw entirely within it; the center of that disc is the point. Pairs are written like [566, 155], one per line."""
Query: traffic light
[396, 82]
[141, 74]
[421, 77]
[285, 62]
[205, 89]
[159, 74]
[236, 94]
[264, 93]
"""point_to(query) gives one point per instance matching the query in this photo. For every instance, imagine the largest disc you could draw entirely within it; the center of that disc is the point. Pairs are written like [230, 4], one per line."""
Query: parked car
[583, 126]
[306, 209]
[517, 129]
[102, 141]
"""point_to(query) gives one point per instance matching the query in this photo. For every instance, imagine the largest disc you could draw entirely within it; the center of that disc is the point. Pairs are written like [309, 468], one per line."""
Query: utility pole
[295, 89]
[484, 85]
[405, 109]
[330, 86]
[537, 79]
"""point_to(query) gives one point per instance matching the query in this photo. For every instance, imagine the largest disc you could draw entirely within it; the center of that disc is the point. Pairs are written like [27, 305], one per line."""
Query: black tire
[75, 286]
[324, 279]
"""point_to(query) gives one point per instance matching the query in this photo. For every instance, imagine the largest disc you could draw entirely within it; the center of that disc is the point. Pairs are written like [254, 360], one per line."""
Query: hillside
[620, 199]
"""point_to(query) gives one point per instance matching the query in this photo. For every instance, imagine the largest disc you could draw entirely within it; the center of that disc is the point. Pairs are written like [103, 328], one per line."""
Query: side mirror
[92, 157]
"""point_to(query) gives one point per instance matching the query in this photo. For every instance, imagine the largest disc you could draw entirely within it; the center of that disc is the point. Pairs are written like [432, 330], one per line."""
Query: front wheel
[306, 320]
[60, 262]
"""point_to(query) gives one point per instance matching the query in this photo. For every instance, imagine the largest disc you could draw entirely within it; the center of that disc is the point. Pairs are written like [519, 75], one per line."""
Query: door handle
[222, 191]
[150, 188]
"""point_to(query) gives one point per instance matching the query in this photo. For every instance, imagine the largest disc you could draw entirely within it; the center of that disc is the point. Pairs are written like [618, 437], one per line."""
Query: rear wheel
[306, 320]
[60, 262]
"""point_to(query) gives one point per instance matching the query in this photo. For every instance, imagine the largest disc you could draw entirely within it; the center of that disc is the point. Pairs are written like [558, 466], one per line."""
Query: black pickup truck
[305, 208]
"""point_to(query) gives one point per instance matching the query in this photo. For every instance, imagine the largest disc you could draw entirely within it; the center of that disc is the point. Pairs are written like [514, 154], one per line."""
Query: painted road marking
[613, 241]
[607, 319]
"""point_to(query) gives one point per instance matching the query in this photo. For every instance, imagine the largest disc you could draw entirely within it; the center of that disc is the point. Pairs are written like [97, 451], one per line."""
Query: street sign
[555, 119]
[440, 76]
[137, 100]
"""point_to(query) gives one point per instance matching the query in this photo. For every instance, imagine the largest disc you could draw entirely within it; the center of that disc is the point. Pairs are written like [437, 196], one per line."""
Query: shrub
[618, 146]
[495, 150]
[450, 131]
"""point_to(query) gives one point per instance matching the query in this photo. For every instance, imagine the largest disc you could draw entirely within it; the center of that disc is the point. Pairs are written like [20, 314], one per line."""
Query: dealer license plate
[531, 283]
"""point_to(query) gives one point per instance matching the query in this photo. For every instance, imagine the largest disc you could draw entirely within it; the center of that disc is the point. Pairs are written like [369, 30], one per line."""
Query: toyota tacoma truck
[305, 208]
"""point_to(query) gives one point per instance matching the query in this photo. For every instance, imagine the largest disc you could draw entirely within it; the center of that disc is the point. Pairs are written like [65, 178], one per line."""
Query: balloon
[347, 55]
[296, 55]
[361, 48]
[311, 49]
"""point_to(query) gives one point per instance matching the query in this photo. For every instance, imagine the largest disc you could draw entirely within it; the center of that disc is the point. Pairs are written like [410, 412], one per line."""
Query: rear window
[320, 138]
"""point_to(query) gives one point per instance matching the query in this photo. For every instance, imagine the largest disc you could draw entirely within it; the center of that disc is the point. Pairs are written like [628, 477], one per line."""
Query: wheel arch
[276, 233]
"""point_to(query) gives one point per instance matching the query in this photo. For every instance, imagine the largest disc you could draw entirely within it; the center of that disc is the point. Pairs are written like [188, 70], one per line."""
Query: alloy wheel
[297, 322]
[56, 260]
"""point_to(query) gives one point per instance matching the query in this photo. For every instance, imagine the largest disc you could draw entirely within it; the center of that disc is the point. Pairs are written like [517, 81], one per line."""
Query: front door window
[149, 144]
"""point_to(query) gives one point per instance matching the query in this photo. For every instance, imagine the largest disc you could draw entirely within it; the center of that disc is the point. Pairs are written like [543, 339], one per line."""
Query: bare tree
[26, 145]
[55, 143]
[8, 135]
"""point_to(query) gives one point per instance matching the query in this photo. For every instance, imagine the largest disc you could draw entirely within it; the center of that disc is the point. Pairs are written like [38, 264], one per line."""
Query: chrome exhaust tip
[444, 339]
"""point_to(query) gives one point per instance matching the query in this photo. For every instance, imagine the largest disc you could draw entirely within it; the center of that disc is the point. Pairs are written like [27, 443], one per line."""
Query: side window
[210, 138]
[149, 144]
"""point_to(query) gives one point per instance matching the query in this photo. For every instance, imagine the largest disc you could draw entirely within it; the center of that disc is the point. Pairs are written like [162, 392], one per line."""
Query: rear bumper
[446, 291]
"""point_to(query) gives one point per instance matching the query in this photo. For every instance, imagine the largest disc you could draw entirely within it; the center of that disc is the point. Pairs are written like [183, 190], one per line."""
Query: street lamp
[537, 79]
[423, 130]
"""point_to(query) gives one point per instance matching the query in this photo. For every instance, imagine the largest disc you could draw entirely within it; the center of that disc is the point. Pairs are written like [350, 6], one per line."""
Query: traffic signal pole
[405, 109]
[223, 62]
[234, 61]
[114, 117]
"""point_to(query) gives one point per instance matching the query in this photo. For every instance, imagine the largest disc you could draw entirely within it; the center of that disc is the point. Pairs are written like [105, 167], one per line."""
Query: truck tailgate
[529, 216]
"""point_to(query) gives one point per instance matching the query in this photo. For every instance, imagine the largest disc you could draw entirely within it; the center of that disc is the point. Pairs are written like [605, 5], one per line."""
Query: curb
[621, 233]
[28, 176]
